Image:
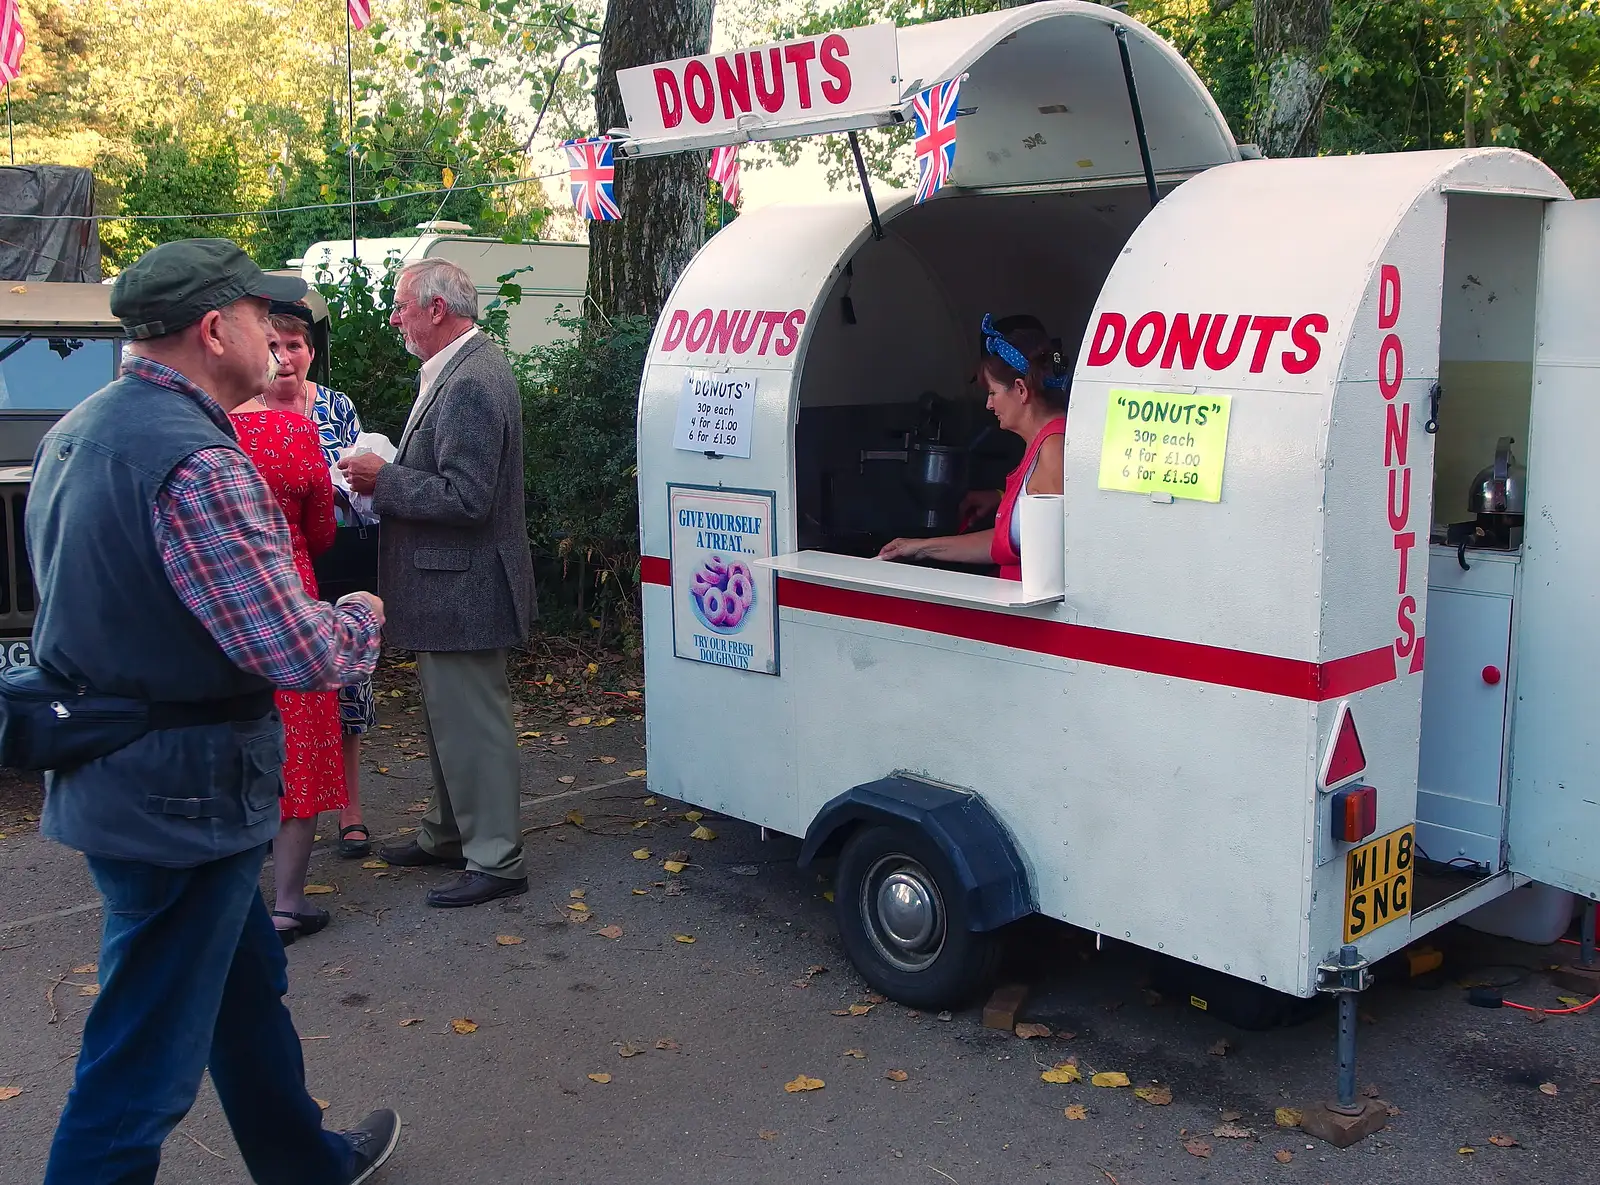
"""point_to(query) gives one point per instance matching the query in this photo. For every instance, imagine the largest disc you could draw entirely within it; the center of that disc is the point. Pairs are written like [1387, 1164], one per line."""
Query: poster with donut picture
[723, 604]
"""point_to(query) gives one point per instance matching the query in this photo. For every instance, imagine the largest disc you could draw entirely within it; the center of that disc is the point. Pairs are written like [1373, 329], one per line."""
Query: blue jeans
[192, 975]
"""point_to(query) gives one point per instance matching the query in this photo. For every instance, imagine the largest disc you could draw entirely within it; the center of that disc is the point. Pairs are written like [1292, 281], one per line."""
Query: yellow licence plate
[1377, 882]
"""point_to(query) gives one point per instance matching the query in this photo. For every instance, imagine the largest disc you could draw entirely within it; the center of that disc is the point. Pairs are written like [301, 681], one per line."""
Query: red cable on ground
[1551, 1011]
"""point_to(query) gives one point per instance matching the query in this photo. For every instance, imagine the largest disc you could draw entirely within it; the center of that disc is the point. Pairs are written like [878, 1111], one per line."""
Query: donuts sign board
[724, 609]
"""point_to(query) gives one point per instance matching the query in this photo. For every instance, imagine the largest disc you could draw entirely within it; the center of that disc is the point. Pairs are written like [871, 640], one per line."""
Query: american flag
[724, 171]
[360, 13]
[12, 42]
[592, 174]
[935, 113]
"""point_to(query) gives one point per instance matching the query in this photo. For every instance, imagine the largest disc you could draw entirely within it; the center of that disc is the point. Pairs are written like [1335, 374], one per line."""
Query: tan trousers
[476, 811]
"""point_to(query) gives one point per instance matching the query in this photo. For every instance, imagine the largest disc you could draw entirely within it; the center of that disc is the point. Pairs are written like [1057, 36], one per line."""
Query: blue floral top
[336, 420]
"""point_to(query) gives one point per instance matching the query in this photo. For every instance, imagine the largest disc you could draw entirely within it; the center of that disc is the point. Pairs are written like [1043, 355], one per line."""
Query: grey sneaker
[373, 1139]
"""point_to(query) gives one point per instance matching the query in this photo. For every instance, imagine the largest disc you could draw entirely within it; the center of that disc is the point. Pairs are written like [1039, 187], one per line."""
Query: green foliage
[366, 357]
[173, 176]
[579, 402]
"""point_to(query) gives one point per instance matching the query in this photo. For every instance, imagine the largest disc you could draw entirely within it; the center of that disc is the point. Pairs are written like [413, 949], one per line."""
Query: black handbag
[350, 565]
[48, 722]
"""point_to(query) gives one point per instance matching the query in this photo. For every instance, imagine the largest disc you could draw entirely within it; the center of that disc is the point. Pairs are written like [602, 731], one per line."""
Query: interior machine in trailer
[1314, 682]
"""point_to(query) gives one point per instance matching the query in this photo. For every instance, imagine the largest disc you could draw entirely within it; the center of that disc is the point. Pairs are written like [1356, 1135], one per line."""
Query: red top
[288, 451]
[1000, 550]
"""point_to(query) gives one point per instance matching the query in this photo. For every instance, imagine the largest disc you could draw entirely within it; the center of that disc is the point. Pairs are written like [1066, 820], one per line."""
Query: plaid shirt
[225, 548]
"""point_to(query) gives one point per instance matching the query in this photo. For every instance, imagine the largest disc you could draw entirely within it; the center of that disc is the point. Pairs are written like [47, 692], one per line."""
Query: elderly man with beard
[166, 579]
[455, 570]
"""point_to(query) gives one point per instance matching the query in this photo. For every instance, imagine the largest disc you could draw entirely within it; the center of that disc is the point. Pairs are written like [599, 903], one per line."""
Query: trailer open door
[1554, 832]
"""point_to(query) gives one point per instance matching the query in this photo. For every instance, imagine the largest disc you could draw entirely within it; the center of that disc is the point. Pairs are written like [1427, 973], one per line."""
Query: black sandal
[354, 849]
[306, 924]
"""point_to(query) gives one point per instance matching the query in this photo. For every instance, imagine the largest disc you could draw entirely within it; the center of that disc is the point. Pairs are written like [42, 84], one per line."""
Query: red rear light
[1345, 757]
[1355, 813]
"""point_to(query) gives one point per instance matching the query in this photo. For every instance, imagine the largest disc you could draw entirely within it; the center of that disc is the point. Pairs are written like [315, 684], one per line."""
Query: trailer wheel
[903, 920]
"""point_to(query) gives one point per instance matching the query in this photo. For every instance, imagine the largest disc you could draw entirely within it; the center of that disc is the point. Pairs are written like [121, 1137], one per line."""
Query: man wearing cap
[165, 576]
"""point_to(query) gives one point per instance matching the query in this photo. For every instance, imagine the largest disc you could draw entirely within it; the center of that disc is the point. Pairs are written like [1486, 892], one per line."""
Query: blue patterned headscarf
[994, 342]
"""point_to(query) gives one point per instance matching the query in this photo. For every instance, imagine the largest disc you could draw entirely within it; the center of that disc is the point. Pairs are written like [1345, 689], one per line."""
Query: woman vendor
[1026, 374]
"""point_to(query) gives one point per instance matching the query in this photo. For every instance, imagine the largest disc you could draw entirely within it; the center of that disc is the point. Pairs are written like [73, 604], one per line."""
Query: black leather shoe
[474, 888]
[373, 1140]
[413, 855]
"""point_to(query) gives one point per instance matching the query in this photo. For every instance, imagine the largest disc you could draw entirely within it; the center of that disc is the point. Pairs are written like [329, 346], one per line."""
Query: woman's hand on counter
[903, 549]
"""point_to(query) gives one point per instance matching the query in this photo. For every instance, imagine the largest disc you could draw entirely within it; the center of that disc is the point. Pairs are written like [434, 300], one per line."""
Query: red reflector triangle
[1347, 758]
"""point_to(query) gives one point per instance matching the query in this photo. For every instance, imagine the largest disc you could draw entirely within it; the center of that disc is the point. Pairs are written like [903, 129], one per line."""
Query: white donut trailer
[1158, 754]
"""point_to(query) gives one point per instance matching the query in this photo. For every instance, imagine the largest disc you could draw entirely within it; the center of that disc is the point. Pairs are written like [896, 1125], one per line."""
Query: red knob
[1491, 675]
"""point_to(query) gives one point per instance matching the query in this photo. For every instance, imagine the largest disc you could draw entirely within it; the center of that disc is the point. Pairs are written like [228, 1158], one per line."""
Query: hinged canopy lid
[1045, 98]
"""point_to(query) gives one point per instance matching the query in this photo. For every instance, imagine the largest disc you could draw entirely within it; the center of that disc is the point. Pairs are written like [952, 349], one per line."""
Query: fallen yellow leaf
[1156, 1096]
[317, 890]
[508, 940]
[693, 817]
[1503, 1142]
[828, 895]
[642, 854]
[322, 1103]
[605, 722]
[1286, 1117]
[674, 865]
[7, 1093]
[89, 989]
[803, 1083]
[638, 823]
[897, 1075]
[854, 1010]
[1062, 1074]
[464, 1026]
[1549, 1088]
[1466, 1151]
[765, 1135]
[608, 760]
[685, 938]
[579, 722]
[648, 801]
[641, 892]
[86, 969]
[639, 773]
[857, 1053]
[628, 1051]
[374, 864]
[383, 769]
[612, 931]
[409, 1021]
[566, 780]
[1027, 1031]
[602, 1079]
[1076, 1111]
[1570, 1001]
[1283, 1156]
[577, 907]
[1112, 1078]
[631, 694]
[578, 894]
[526, 736]
[703, 832]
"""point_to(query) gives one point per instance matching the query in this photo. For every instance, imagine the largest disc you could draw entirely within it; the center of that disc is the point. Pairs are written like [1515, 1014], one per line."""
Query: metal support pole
[1586, 936]
[11, 132]
[350, 151]
[1347, 1040]
[1138, 116]
[866, 185]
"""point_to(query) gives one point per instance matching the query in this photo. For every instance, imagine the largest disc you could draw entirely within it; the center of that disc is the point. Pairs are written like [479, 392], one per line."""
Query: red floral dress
[288, 451]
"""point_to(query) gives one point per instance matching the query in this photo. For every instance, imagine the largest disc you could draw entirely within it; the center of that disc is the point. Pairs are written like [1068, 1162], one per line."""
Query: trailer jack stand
[1584, 974]
[1347, 1119]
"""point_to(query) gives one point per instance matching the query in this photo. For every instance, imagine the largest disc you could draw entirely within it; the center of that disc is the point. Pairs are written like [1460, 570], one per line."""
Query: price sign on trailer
[714, 413]
[1158, 443]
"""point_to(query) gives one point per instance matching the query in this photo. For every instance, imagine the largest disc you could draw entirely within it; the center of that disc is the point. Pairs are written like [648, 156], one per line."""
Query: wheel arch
[980, 850]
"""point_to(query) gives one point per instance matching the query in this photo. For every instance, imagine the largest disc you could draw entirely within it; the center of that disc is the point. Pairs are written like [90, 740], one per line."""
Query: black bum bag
[47, 722]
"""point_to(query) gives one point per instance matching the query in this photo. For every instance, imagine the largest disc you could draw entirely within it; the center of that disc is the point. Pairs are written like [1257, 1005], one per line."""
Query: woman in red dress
[284, 444]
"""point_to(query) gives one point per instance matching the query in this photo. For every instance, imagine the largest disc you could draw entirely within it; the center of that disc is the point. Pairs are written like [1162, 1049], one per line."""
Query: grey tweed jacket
[454, 568]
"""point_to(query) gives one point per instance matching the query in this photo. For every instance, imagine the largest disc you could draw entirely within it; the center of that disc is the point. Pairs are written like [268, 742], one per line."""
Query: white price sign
[715, 413]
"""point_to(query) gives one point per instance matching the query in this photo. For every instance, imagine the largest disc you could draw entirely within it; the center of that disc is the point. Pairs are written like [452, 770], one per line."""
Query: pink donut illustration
[718, 565]
[715, 605]
[733, 610]
[741, 589]
[700, 584]
[712, 579]
[739, 568]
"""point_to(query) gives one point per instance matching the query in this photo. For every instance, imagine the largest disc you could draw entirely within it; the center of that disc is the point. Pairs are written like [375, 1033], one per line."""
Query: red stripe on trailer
[1213, 665]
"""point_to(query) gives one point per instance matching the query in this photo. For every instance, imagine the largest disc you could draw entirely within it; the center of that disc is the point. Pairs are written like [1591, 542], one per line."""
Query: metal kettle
[1499, 488]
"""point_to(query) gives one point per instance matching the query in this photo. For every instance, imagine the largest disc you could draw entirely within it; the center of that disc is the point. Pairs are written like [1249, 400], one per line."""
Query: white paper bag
[366, 442]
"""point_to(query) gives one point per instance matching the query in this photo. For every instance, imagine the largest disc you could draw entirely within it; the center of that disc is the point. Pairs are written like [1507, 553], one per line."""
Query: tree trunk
[634, 262]
[1291, 37]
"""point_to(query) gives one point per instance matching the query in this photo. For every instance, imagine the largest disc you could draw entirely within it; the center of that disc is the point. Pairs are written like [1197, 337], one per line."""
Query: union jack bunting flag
[935, 113]
[12, 42]
[724, 171]
[360, 13]
[592, 174]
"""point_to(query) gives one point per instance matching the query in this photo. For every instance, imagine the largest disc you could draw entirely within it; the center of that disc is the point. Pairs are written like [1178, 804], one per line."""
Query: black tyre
[904, 923]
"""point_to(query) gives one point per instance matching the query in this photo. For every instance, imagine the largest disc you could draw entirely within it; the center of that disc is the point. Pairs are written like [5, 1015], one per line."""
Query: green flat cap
[172, 286]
